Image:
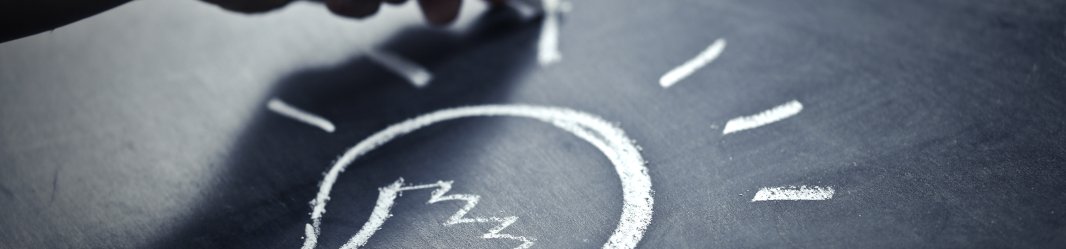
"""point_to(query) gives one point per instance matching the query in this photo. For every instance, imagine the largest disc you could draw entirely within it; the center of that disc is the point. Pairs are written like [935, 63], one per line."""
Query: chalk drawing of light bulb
[610, 140]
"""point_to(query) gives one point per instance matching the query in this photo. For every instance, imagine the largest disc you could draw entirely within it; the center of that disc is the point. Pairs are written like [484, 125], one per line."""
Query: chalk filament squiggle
[387, 195]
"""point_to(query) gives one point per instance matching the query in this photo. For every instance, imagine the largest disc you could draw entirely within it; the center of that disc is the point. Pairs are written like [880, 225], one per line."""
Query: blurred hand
[438, 12]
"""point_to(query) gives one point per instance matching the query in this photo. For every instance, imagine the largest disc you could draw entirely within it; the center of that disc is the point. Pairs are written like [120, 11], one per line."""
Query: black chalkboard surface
[677, 124]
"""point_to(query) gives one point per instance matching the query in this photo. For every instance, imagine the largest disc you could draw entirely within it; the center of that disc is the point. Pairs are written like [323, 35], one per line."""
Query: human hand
[438, 12]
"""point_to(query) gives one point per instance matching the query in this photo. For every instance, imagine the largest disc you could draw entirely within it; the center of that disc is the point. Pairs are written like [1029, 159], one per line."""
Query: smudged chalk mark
[684, 70]
[287, 110]
[624, 155]
[775, 114]
[414, 73]
[548, 45]
[794, 193]
[387, 196]
[55, 185]
[7, 192]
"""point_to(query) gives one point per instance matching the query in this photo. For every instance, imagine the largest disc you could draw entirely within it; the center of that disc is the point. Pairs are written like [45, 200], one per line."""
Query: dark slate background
[939, 123]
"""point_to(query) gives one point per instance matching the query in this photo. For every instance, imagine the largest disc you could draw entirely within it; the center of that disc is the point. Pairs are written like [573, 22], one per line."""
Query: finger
[354, 8]
[394, 2]
[249, 6]
[440, 12]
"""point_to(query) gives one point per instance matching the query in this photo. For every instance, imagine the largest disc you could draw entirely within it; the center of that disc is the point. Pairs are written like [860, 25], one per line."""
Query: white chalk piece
[775, 114]
[387, 195]
[793, 193]
[548, 45]
[610, 140]
[565, 7]
[287, 110]
[526, 9]
[684, 70]
[414, 73]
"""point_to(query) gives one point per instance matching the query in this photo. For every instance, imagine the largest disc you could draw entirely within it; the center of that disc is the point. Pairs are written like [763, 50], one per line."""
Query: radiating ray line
[775, 114]
[684, 70]
[287, 110]
[794, 193]
[414, 73]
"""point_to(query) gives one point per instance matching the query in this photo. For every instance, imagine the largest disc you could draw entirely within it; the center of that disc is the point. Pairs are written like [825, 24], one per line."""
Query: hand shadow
[260, 198]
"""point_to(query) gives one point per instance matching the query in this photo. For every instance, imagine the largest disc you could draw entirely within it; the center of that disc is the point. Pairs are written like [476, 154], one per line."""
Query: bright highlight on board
[684, 70]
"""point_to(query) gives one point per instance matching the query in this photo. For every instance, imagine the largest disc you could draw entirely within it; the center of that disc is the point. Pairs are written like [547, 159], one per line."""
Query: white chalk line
[794, 193]
[414, 73]
[387, 195]
[548, 45]
[287, 110]
[775, 114]
[637, 198]
[684, 70]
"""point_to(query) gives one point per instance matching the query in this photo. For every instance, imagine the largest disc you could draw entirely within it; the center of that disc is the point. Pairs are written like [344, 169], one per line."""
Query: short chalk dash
[287, 110]
[679, 73]
[775, 114]
[794, 193]
[414, 73]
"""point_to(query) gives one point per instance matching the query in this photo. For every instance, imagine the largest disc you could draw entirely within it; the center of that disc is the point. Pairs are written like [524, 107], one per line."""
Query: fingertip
[354, 8]
[440, 12]
[250, 6]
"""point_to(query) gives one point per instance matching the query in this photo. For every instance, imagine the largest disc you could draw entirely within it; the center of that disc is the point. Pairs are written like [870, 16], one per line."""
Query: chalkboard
[601, 124]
